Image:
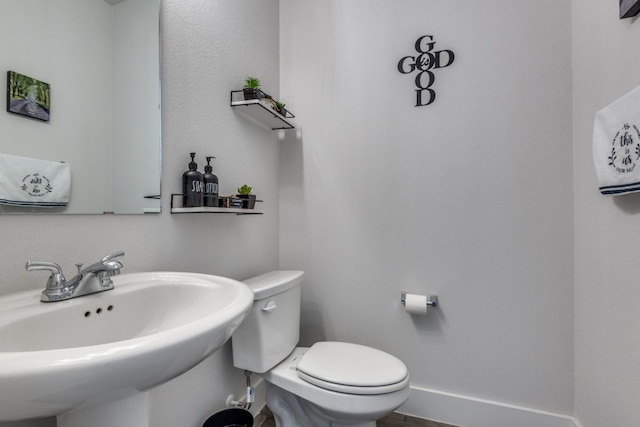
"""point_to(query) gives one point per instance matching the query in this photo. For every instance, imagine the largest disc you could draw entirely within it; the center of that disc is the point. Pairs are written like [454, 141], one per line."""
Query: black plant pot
[248, 200]
[251, 94]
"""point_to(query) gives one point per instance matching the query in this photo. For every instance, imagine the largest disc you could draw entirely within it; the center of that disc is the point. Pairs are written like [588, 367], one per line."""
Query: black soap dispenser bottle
[210, 191]
[192, 185]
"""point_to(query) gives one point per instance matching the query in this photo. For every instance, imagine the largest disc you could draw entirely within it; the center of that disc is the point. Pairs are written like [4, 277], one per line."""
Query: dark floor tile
[400, 420]
[265, 419]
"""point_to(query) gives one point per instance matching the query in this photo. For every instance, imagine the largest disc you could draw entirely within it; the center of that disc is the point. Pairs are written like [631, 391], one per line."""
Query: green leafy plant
[251, 88]
[280, 108]
[252, 83]
[244, 190]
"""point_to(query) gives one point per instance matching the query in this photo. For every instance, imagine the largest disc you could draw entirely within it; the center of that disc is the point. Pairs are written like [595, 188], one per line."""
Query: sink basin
[83, 353]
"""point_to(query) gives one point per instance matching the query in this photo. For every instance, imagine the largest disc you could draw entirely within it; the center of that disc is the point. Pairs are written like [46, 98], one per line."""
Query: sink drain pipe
[247, 400]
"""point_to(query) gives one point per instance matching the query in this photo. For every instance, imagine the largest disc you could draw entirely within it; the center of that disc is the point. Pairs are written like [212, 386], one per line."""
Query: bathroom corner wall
[606, 228]
[208, 48]
[469, 198]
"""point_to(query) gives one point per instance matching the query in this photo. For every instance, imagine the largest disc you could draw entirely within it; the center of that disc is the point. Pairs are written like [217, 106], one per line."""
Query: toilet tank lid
[274, 282]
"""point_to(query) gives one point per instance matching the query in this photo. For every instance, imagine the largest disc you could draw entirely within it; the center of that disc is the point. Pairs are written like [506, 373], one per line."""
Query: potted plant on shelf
[248, 199]
[251, 88]
[280, 108]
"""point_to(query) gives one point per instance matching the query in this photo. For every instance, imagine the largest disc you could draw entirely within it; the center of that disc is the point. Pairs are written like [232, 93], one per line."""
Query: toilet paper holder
[432, 300]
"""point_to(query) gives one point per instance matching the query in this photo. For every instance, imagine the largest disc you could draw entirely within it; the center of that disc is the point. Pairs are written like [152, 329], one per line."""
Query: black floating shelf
[261, 110]
[210, 209]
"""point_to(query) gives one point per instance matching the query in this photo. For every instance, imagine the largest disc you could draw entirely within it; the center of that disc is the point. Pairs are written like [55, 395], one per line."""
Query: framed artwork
[28, 97]
[629, 8]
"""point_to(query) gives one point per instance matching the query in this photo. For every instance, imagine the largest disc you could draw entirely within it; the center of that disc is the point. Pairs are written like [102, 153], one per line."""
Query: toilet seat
[283, 379]
[352, 368]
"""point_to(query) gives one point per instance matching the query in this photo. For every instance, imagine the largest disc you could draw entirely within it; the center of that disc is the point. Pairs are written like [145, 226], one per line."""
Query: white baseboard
[465, 411]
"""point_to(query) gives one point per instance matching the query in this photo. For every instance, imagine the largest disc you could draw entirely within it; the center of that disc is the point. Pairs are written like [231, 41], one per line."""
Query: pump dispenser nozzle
[209, 168]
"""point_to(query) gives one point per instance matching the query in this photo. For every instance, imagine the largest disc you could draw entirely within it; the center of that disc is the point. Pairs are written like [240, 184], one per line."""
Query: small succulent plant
[244, 190]
[279, 107]
[252, 83]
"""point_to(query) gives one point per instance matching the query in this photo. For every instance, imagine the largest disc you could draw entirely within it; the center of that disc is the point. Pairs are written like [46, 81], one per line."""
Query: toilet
[330, 384]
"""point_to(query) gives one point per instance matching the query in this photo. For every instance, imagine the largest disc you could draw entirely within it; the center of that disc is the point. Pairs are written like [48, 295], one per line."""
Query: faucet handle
[56, 280]
[112, 256]
[111, 268]
[43, 265]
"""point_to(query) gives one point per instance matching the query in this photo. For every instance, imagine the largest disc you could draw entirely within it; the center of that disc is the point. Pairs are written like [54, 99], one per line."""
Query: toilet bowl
[330, 384]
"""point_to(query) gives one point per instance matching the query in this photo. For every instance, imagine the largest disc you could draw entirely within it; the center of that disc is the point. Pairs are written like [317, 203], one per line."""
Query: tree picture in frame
[629, 8]
[28, 97]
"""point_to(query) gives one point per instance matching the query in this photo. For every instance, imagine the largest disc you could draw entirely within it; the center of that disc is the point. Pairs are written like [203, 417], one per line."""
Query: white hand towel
[616, 145]
[34, 183]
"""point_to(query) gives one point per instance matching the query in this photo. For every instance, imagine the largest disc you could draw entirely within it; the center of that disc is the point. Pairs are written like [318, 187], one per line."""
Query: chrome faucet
[95, 278]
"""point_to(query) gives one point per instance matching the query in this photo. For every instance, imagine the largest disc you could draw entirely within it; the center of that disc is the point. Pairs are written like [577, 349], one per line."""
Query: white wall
[469, 198]
[38, 39]
[605, 64]
[204, 57]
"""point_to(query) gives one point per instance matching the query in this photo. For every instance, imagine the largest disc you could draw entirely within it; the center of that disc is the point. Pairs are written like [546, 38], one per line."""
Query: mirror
[101, 60]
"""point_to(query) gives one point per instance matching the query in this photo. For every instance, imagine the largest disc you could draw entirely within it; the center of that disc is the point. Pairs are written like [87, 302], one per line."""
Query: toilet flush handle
[269, 307]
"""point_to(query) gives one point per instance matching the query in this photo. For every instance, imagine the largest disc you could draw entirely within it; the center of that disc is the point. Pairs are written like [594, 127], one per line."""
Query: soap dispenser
[210, 191]
[192, 185]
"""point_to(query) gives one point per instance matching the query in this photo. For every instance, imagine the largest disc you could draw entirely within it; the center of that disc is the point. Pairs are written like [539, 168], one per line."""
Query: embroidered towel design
[34, 183]
[616, 145]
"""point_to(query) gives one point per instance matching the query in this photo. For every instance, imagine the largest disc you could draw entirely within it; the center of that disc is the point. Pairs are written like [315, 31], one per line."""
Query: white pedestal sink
[90, 360]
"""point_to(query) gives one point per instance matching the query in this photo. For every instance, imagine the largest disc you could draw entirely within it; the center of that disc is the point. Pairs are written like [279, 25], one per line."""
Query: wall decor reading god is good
[425, 63]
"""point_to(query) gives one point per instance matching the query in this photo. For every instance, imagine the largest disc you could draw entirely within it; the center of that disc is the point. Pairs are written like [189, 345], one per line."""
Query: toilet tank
[272, 328]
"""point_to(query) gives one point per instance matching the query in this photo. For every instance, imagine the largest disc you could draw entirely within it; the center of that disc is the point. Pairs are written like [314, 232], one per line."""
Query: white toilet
[330, 384]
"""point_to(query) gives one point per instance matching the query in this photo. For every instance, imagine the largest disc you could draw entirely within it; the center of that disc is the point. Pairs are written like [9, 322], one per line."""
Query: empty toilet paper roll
[415, 304]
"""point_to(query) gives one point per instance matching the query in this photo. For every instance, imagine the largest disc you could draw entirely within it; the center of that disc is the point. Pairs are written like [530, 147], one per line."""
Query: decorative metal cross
[425, 62]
